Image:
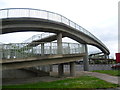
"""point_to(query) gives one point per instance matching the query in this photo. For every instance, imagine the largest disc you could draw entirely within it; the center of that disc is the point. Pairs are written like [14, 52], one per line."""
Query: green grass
[81, 82]
[110, 72]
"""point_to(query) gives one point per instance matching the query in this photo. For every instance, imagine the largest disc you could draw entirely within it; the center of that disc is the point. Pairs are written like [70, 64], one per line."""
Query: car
[116, 66]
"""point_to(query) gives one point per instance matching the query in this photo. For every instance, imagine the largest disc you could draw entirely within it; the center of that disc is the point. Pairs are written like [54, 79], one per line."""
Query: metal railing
[38, 37]
[16, 50]
[36, 13]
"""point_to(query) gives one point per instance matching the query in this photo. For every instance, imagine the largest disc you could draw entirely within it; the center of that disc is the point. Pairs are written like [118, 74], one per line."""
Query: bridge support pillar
[106, 56]
[59, 43]
[85, 59]
[68, 48]
[72, 69]
[60, 70]
[43, 68]
[51, 68]
[59, 51]
[42, 49]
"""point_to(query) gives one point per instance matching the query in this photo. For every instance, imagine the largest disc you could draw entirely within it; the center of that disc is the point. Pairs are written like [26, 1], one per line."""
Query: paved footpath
[106, 77]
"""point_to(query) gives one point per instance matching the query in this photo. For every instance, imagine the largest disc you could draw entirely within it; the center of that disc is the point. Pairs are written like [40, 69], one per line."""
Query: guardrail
[36, 13]
[38, 37]
[23, 50]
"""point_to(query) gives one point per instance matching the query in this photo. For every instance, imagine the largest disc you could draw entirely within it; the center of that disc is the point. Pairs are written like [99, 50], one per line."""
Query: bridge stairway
[28, 44]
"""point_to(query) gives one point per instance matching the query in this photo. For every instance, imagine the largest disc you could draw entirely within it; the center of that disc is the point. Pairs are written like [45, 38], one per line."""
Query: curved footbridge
[43, 51]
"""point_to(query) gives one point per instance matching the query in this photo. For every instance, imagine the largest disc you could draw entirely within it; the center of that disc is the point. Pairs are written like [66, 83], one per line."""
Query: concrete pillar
[2, 56]
[85, 59]
[72, 69]
[50, 48]
[59, 51]
[59, 43]
[68, 48]
[105, 56]
[60, 70]
[42, 49]
[51, 68]
[43, 68]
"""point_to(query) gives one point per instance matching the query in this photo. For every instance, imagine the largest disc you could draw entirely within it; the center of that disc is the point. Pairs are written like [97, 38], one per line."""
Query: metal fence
[36, 13]
[25, 50]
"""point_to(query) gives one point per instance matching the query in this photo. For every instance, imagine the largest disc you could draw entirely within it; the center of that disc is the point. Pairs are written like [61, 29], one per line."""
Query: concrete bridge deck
[37, 61]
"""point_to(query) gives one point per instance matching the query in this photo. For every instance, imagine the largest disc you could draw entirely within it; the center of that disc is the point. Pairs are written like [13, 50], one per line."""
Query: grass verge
[110, 72]
[81, 82]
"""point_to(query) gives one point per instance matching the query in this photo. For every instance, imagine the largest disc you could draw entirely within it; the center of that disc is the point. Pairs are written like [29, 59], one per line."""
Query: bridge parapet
[25, 50]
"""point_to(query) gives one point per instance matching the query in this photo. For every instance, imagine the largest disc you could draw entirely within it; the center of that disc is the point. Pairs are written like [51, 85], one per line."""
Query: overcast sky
[100, 17]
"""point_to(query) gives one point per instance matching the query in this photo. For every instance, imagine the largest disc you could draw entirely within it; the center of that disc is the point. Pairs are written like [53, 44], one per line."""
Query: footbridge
[44, 51]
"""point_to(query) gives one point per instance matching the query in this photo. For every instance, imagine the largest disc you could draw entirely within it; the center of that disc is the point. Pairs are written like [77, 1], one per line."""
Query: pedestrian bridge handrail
[24, 50]
[38, 37]
[36, 13]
